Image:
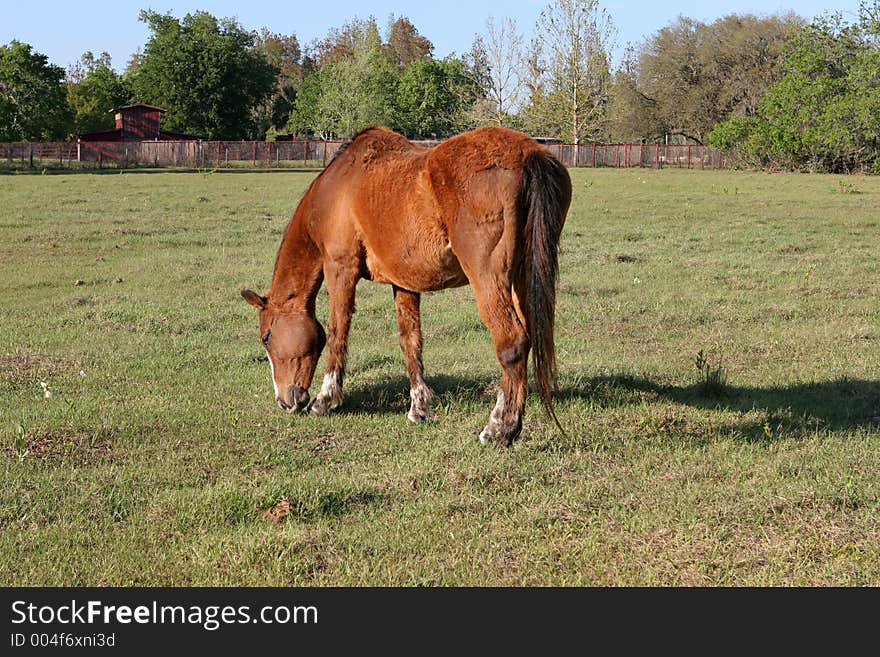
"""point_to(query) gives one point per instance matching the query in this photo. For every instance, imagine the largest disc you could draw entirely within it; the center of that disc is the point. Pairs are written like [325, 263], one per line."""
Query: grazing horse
[484, 208]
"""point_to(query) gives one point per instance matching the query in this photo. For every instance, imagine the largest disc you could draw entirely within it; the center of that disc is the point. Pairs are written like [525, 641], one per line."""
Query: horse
[484, 208]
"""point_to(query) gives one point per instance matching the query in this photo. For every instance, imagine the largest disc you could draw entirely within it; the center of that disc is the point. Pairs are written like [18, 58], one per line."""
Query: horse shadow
[766, 413]
[391, 394]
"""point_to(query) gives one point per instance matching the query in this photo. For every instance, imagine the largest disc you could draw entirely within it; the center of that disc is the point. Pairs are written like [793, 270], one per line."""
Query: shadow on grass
[391, 395]
[839, 404]
[775, 412]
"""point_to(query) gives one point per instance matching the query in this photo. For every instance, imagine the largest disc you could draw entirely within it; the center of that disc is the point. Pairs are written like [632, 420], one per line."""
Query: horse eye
[265, 338]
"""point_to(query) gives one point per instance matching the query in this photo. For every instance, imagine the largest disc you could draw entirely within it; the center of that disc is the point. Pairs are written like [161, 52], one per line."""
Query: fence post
[31, 156]
[325, 155]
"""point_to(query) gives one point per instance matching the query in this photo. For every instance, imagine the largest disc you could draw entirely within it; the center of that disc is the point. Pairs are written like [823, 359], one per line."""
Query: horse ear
[254, 299]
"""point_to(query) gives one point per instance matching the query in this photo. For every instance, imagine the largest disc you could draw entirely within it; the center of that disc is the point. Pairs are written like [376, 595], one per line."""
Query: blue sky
[64, 29]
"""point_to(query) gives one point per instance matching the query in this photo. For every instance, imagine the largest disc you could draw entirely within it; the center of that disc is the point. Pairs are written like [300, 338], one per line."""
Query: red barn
[138, 122]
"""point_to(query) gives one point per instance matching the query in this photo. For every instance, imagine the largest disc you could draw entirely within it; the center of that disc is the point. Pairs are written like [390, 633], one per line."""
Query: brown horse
[485, 208]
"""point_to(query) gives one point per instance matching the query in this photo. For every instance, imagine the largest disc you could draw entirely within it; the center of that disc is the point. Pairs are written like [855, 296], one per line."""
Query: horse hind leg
[511, 342]
[409, 335]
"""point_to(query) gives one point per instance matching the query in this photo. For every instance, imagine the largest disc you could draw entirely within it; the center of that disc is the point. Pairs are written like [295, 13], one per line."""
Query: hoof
[417, 417]
[420, 408]
[322, 407]
[490, 435]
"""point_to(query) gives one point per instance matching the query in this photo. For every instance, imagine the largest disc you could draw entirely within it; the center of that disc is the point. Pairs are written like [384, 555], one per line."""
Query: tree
[824, 113]
[33, 105]
[404, 43]
[500, 54]
[205, 73]
[632, 116]
[356, 36]
[93, 89]
[695, 75]
[571, 56]
[346, 95]
[285, 54]
[433, 97]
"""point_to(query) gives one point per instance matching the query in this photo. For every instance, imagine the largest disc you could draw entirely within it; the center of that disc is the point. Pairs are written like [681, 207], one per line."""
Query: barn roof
[124, 107]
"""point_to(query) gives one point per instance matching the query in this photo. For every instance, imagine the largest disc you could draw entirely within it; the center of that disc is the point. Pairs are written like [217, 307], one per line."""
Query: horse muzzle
[294, 399]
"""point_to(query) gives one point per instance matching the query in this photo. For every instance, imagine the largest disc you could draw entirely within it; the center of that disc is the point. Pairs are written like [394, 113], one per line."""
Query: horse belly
[417, 268]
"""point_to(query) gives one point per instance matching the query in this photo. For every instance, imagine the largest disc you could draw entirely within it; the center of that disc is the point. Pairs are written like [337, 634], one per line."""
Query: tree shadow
[841, 404]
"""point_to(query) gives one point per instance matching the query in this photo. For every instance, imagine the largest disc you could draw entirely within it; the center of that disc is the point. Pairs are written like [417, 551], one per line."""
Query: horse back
[376, 201]
[409, 213]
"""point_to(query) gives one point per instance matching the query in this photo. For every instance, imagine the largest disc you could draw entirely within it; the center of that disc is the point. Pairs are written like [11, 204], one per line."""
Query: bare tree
[501, 48]
[574, 38]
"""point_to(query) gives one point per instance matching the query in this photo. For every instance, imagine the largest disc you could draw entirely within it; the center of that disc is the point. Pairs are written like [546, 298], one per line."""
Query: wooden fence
[638, 155]
[310, 154]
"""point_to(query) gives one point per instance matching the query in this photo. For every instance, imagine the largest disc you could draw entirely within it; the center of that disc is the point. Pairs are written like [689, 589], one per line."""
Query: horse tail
[546, 196]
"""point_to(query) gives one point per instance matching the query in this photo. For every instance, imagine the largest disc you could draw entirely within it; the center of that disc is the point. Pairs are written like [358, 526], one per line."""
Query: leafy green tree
[205, 73]
[347, 42]
[93, 89]
[345, 96]
[824, 113]
[433, 97]
[285, 54]
[632, 115]
[33, 105]
[692, 75]
[358, 80]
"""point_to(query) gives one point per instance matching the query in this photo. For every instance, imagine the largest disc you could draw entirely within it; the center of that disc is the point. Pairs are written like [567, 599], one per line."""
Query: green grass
[718, 336]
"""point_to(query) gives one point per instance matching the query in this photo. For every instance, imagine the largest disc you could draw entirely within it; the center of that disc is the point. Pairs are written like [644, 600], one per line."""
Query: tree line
[773, 91]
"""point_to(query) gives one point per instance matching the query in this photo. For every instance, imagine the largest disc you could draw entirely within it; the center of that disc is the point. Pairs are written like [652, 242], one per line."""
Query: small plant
[848, 187]
[713, 378]
[21, 450]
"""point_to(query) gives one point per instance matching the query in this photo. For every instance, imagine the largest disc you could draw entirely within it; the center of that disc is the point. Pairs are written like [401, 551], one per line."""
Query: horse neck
[298, 268]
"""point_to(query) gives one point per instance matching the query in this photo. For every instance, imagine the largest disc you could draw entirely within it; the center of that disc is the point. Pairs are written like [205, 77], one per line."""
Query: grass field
[718, 336]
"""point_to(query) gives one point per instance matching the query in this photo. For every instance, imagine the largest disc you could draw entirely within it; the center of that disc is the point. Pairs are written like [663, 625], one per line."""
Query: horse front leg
[409, 335]
[341, 283]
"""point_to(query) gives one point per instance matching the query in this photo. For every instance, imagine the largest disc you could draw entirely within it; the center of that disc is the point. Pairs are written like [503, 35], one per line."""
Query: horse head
[293, 340]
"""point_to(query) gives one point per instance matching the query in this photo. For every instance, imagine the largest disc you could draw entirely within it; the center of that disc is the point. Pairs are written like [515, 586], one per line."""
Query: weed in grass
[20, 445]
[848, 186]
[713, 378]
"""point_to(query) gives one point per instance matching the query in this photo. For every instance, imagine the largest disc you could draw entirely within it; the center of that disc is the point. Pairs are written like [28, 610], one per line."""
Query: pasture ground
[718, 336]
